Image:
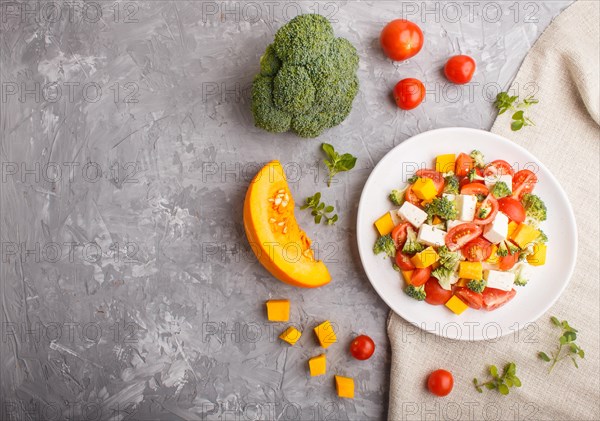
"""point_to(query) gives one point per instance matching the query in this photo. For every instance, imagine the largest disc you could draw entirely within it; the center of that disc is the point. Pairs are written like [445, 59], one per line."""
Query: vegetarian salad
[466, 233]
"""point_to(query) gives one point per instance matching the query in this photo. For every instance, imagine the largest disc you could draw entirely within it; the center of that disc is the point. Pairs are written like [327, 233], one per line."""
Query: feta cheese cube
[491, 180]
[466, 205]
[412, 214]
[497, 230]
[499, 280]
[431, 236]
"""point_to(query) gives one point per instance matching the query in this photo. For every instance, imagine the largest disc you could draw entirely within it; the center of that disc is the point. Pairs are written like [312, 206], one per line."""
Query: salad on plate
[466, 233]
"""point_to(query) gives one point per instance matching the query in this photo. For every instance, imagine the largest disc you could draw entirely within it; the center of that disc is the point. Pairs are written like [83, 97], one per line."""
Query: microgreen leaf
[503, 382]
[567, 337]
[319, 209]
[337, 163]
[505, 102]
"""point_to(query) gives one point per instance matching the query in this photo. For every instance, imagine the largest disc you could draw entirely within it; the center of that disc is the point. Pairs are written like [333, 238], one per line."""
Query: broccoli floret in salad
[500, 190]
[385, 244]
[448, 259]
[442, 207]
[535, 208]
[411, 246]
[478, 158]
[452, 184]
[418, 293]
[397, 197]
[477, 286]
[521, 275]
[542, 238]
[472, 176]
[445, 276]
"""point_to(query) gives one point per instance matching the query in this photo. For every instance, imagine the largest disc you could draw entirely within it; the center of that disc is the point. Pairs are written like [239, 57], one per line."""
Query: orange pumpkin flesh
[280, 245]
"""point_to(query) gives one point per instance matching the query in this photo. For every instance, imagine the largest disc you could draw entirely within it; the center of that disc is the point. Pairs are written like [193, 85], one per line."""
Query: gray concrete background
[128, 288]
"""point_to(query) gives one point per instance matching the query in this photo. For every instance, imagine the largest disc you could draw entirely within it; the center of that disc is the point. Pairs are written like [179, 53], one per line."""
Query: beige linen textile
[564, 62]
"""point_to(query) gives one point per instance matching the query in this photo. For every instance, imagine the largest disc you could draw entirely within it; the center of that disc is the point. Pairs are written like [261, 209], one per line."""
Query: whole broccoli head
[535, 208]
[307, 79]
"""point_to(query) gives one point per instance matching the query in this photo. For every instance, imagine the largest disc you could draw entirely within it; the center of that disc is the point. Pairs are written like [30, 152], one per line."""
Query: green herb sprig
[505, 102]
[319, 209]
[566, 342]
[337, 163]
[501, 383]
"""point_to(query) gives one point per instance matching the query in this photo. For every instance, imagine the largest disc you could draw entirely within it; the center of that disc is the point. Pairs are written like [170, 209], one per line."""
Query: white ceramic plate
[531, 301]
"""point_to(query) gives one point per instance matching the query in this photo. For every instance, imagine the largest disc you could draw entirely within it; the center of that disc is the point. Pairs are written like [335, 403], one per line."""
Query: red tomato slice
[464, 164]
[403, 261]
[436, 295]
[399, 234]
[491, 204]
[523, 182]
[498, 167]
[471, 298]
[461, 234]
[507, 262]
[420, 276]
[436, 177]
[494, 298]
[474, 188]
[477, 250]
[512, 208]
[411, 197]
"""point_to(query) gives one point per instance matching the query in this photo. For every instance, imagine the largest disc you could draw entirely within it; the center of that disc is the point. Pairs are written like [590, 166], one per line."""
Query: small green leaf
[479, 389]
[516, 381]
[508, 382]
[490, 386]
[334, 218]
[317, 197]
[570, 336]
[517, 125]
[573, 347]
[321, 206]
[475, 382]
[328, 149]
[543, 356]
[518, 115]
[318, 219]
[562, 340]
[328, 209]
[503, 389]
[581, 353]
[555, 321]
[494, 371]
[510, 369]
[314, 213]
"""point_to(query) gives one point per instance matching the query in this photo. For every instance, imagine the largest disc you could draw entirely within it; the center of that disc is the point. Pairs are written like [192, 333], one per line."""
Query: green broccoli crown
[442, 207]
[502, 250]
[477, 286]
[418, 293]
[385, 244]
[452, 184]
[411, 246]
[478, 158]
[520, 281]
[445, 276]
[396, 197]
[542, 238]
[312, 79]
[448, 259]
[534, 207]
[501, 190]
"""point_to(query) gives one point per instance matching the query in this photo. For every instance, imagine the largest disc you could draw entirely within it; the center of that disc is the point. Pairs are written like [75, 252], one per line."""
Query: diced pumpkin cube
[424, 188]
[538, 257]
[436, 220]
[325, 334]
[407, 275]
[344, 387]
[291, 335]
[385, 224]
[445, 163]
[470, 270]
[494, 258]
[278, 310]
[524, 235]
[456, 305]
[425, 258]
[512, 226]
[317, 365]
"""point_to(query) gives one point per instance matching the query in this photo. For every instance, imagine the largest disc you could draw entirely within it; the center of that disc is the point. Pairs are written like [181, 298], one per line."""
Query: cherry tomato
[498, 167]
[523, 182]
[474, 188]
[464, 164]
[477, 250]
[399, 234]
[507, 262]
[403, 261]
[471, 298]
[409, 93]
[436, 295]
[411, 197]
[420, 276]
[435, 176]
[362, 347]
[459, 69]
[490, 204]
[440, 382]
[512, 208]
[401, 39]
[461, 234]
[494, 298]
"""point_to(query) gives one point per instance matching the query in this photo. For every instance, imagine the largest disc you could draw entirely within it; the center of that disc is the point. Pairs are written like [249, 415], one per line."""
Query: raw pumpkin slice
[280, 245]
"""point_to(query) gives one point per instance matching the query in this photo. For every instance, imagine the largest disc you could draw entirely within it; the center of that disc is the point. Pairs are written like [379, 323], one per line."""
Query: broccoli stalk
[397, 197]
[500, 190]
[445, 276]
[418, 293]
[411, 246]
[521, 277]
[448, 259]
[535, 208]
[385, 244]
[478, 158]
[452, 184]
[477, 286]
[442, 207]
